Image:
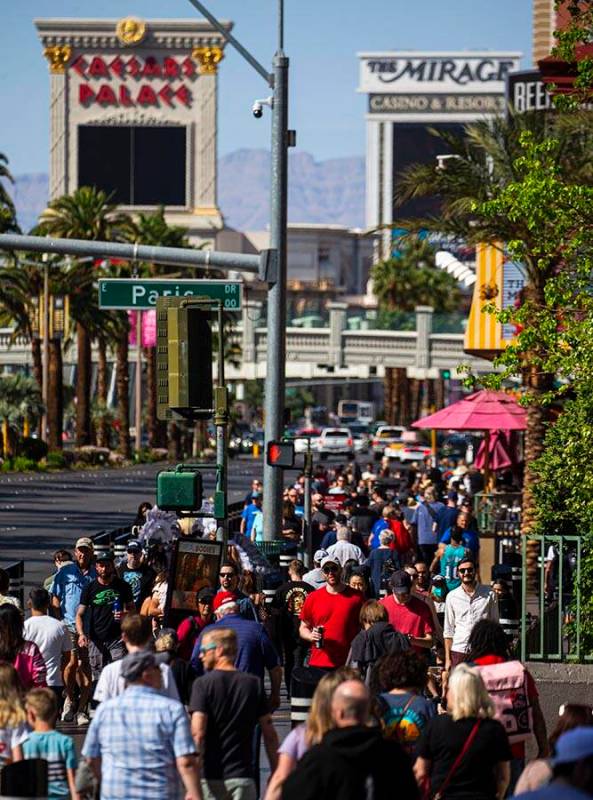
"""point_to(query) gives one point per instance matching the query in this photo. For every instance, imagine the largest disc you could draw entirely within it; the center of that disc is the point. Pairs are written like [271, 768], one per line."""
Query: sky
[322, 39]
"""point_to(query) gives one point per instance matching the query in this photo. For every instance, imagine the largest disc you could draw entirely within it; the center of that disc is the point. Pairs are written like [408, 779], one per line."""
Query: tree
[8, 223]
[20, 400]
[401, 283]
[86, 214]
[497, 162]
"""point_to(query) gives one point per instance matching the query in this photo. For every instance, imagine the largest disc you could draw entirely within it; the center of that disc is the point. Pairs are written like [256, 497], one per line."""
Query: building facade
[133, 111]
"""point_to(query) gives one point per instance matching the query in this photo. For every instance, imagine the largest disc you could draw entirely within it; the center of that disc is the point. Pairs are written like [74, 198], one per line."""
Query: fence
[551, 599]
[16, 576]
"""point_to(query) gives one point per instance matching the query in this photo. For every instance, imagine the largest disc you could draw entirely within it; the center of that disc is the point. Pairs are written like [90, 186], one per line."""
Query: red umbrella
[482, 411]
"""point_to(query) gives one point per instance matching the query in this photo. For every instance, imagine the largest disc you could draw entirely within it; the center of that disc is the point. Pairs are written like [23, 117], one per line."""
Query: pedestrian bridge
[317, 353]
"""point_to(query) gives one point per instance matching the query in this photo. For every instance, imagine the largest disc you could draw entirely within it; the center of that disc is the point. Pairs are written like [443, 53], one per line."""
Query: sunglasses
[462, 570]
[329, 570]
[227, 574]
[206, 647]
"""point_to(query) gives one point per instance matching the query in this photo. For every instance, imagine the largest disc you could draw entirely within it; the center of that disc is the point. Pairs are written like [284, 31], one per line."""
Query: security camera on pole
[282, 138]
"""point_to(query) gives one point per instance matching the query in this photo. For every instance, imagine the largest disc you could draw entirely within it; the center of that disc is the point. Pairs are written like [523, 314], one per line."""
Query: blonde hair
[12, 711]
[469, 696]
[226, 639]
[43, 702]
[319, 720]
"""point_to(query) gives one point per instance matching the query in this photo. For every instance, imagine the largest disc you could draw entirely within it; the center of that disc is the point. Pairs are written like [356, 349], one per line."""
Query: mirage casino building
[411, 92]
[133, 111]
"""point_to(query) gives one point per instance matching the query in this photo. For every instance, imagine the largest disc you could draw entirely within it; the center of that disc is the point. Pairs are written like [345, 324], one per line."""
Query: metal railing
[16, 576]
[498, 513]
[551, 599]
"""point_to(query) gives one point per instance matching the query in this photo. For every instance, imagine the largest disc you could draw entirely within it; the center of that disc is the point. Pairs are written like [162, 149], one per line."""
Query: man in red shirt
[335, 607]
[408, 614]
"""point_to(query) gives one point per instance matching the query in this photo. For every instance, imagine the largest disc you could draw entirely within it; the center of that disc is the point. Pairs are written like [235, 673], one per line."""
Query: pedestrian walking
[24, 655]
[465, 753]
[408, 614]
[226, 706]
[377, 639]
[189, 630]
[572, 768]
[315, 576]
[45, 742]
[343, 550]
[465, 606]
[137, 573]
[52, 638]
[13, 718]
[425, 522]
[139, 744]
[229, 582]
[353, 760]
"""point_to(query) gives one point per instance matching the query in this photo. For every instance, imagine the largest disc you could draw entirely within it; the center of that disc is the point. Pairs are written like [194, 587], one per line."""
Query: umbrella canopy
[502, 453]
[482, 411]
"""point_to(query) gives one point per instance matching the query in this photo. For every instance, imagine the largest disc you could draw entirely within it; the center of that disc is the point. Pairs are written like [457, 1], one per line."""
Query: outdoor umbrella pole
[487, 461]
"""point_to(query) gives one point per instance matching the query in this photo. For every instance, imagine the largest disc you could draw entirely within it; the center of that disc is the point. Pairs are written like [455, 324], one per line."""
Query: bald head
[350, 704]
[343, 534]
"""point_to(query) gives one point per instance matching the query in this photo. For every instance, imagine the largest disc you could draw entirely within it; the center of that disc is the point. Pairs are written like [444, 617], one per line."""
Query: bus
[356, 411]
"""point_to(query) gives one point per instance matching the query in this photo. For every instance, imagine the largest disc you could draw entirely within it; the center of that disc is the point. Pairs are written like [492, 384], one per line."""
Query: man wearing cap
[335, 608]
[407, 613]
[189, 630]
[137, 573]
[66, 590]
[107, 598]
[139, 744]
[572, 766]
[249, 512]
[315, 576]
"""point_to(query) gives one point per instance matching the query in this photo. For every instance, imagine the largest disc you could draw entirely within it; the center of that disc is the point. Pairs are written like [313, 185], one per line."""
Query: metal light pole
[45, 355]
[276, 339]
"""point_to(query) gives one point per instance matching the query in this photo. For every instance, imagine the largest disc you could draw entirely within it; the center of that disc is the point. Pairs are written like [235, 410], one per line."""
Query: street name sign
[140, 294]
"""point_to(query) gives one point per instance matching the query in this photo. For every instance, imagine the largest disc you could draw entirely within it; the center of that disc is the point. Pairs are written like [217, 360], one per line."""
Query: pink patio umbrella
[482, 411]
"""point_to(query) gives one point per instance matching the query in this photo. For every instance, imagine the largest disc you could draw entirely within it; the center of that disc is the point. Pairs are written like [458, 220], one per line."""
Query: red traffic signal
[280, 454]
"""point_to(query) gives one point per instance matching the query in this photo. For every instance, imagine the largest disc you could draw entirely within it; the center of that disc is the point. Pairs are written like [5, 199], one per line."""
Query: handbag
[457, 762]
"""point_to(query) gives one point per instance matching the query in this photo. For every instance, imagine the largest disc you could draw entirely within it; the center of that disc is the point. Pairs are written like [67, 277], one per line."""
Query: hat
[105, 555]
[133, 546]
[452, 496]
[224, 599]
[319, 556]
[134, 664]
[206, 595]
[400, 582]
[84, 541]
[330, 560]
[574, 745]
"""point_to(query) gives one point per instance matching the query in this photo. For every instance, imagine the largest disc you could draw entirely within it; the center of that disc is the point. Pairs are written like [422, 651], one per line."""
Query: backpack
[507, 686]
[388, 567]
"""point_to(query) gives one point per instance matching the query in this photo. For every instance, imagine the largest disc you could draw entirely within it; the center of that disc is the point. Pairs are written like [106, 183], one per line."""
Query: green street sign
[139, 293]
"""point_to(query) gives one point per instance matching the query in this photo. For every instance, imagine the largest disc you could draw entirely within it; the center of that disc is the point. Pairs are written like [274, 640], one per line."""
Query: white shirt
[11, 738]
[52, 638]
[346, 551]
[463, 610]
[111, 684]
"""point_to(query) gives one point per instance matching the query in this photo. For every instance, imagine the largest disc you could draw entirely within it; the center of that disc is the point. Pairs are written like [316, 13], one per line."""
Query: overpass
[315, 353]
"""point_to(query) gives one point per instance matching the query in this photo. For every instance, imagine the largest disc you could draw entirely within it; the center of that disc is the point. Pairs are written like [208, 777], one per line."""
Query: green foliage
[411, 279]
[23, 464]
[56, 460]
[578, 31]
[35, 449]
[8, 223]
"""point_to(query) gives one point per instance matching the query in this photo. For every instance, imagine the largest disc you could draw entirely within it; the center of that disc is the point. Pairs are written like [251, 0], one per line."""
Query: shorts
[82, 653]
[102, 653]
[229, 789]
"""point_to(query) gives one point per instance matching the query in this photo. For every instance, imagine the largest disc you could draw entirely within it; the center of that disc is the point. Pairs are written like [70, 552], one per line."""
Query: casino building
[133, 107]
[411, 92]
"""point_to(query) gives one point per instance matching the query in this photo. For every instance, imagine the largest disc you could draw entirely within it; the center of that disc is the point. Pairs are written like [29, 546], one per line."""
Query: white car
[386, 436]
[302, 438]
[408, 451]
[336, 442]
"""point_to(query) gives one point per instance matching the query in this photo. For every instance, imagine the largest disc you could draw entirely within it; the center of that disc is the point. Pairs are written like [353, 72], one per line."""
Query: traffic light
[445, 374]
[179, 489]
[184, 360]
[280, 454]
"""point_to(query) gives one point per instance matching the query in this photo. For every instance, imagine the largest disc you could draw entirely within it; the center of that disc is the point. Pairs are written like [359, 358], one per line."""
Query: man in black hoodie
[352, 762]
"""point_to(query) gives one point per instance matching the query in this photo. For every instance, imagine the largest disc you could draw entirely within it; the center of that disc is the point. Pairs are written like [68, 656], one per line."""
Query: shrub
[22, 464]
[28, 447]
[55, 460]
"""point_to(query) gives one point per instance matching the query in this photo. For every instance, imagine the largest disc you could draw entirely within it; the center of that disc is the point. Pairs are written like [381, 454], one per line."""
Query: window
[138, 166]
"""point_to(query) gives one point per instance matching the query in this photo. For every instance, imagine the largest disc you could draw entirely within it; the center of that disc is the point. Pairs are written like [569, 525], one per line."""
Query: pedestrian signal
[280, 454]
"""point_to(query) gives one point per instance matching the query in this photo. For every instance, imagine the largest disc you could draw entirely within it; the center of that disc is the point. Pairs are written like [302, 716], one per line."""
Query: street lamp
[276, 342]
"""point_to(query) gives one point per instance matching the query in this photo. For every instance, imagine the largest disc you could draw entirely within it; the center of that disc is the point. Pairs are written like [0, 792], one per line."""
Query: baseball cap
[206, 594]
[574, 745]
[84, 541]
[106, 555]
[400, 582]
[224, 599]
[319, 556]
[134, 664]
[133, 546]
[329, 560]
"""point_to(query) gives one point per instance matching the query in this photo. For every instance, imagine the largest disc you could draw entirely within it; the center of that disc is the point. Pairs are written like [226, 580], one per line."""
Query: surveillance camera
[257, 109]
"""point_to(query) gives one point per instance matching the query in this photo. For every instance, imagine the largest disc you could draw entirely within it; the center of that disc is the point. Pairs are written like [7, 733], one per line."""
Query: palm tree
[86, 214]
[486, 159]
[20, 400]
[8, 221]
[400, 284]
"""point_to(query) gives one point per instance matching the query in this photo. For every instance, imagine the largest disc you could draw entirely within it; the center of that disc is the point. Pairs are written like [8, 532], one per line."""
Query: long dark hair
[487, 639]
[11, 632]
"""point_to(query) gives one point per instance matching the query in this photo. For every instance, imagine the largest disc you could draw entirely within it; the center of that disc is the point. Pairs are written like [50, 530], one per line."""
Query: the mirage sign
[409, 72]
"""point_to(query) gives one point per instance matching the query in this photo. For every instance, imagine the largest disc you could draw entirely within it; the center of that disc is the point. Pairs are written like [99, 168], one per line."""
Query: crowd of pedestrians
[401, 681]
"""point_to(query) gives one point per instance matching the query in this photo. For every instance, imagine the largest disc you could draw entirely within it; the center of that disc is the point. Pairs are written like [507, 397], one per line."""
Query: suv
[335, 441]
[387, 435]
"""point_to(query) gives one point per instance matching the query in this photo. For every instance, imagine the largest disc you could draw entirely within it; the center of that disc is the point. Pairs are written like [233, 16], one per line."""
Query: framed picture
[195, 564]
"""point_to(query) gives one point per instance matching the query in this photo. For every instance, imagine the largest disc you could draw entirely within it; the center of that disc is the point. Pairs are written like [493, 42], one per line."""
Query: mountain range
[326, 192]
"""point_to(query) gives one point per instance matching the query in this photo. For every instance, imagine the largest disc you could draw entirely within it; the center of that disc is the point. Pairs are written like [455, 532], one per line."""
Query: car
[387, 436]
[303, 436]
[336, 441]
[410, 452]
[248, 440]
[360, 436]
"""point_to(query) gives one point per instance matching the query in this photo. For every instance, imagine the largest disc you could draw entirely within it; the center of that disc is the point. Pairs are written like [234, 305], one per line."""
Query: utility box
[179, 489]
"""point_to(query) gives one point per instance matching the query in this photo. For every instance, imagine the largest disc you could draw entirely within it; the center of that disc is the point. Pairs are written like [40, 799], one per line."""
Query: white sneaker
[69, 712]
[82, 718]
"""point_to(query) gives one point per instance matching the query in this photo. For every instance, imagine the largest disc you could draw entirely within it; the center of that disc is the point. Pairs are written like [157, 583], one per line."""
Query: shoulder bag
[457, 762]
